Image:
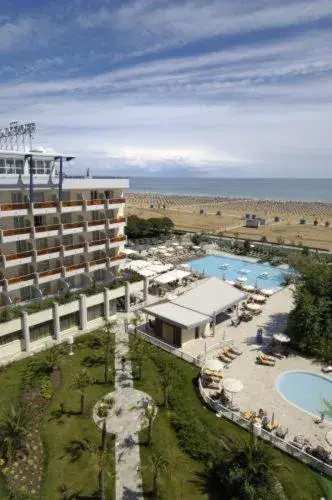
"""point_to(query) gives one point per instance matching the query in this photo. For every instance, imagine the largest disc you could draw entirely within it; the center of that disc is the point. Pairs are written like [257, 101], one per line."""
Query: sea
[273, 189]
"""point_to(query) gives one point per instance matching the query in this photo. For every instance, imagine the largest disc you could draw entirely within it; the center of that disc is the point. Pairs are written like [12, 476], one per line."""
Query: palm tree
[158, 466]
[139, 349]
[148, 416]
[101, 457]
[80, 382]
[13, 431]
[107, 341]
[166, 375]
[248, 473]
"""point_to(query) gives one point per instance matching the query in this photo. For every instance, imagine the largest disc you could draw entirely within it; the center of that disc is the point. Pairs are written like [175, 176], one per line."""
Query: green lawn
[183, 477]
[66, 463]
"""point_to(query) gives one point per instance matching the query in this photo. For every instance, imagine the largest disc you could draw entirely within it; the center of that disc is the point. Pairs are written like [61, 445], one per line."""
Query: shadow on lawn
[62, 412]
[75, 449]
[91, 361]
[207, 484]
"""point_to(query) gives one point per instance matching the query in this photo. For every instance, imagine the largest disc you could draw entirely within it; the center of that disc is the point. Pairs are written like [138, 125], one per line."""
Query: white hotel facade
[57, 233]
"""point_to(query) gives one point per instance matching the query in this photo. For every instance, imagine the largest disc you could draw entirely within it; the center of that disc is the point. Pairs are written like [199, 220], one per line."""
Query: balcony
[14, 209]
[71, 206]
[96, 225]
[73, 227]
[116, 202]
[114, 223]
[20, 281]
[99, 204]
[46, 231]
[50, 275]
[8, 235]
[48, 253]
[114, 242]
[115, 261]
[44, 207]
[75, 269]
[17, 259]
[75, 249]
[97, 245]
[95, 265]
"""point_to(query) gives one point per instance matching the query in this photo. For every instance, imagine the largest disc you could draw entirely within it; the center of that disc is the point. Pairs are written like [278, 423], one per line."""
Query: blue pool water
[260, 275]
[305, 390]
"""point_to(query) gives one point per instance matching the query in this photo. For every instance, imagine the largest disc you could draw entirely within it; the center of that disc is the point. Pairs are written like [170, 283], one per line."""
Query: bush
[35, 370]
[46, 388]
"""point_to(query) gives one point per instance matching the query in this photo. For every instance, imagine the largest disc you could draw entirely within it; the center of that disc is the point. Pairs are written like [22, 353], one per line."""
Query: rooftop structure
[57, 232]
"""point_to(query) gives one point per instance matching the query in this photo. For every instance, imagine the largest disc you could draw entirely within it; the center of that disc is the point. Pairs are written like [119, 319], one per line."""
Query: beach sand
[185, 213]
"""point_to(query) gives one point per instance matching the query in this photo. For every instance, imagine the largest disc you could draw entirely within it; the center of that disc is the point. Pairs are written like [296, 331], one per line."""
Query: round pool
[305, 390]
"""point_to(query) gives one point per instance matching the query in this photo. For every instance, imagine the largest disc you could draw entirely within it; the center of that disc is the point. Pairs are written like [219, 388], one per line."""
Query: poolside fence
[280, 443]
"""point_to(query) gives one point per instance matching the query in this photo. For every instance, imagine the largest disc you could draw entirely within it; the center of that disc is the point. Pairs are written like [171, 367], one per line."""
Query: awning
[176, 274]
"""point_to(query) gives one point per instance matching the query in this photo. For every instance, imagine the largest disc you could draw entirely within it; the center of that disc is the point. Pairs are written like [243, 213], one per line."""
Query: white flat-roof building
[57, 232]
[189, 316]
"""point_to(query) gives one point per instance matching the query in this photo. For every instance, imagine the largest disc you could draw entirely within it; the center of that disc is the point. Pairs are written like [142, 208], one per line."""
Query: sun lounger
[212, 385]
[268, 358]
[222, 357]
[227, 352]
[235, 350]
[327, 369]
[265, 362]
[213, 373]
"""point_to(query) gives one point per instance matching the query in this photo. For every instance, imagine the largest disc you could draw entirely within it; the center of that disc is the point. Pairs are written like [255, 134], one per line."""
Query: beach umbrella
[232, 385]
[241, 279]
[214, 364]
[258, 298]
[248, 288]
[267, 291]
[229, 282]
[253, 307]
[281, 337]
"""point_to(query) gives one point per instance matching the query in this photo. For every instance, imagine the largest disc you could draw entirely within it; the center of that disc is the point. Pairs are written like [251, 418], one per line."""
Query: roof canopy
[176, 315]
[211, 297]
[174, 275]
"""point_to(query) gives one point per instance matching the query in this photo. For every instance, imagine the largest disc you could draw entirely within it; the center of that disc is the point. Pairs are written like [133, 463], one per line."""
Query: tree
[158, 466]
[247, 473]
[100, 457]
[80, 382]
[139, 349]
[107, 342]
[166, 378]
[246, 246]
[13, 432]
[149, 414]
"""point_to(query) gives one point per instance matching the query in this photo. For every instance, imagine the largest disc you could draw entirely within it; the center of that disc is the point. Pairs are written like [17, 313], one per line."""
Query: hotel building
[57, 233]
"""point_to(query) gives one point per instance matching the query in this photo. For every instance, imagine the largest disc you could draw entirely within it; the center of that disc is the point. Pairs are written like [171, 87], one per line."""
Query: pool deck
[259, 381]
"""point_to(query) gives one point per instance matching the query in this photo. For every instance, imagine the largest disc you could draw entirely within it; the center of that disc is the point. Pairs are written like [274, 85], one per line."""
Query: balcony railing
[75, 267]
[18, 256]
[97, 262]
[51, 272]
[96, 222]
[45, 251]
[117, 238]
[73, 203]
[45, 204]
[19, 279]
[121, 256]
[74, 246]
[97, 242]
[13, 232]
[73, 225]
[51, 227]
[98, 201]
[117, 200]
[118, 220]
[14, 206]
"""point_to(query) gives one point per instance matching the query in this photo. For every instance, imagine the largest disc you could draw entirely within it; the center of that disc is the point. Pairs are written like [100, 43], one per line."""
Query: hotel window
[95, 312]
[19, 166]
[40, 331]
[69, 321]
[48, 166]
[2, 166]
[10, 337]
[10, 164]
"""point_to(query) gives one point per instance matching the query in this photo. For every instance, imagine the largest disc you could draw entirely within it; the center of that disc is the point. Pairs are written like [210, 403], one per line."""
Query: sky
[219, 88]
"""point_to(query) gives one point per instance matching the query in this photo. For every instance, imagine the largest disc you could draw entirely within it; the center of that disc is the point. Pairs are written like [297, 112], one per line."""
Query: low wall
[21, 337]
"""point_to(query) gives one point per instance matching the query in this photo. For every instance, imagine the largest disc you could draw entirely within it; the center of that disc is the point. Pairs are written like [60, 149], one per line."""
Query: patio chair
[268, 358]
[213, 373]
[265, 362]
[235, 350]
[222, 357]
[227, 352]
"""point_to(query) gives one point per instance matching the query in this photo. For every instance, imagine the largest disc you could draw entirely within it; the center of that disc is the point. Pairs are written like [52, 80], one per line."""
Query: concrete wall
[187, 334]
[18, 348]
[168, 332]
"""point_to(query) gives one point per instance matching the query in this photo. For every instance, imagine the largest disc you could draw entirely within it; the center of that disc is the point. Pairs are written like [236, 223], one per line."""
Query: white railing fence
[283, 445]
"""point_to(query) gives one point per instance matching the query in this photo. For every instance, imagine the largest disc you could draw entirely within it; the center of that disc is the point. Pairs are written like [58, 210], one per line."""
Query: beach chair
[227, 352]
[265, 362]
[222, 357]
[268, 358]
[327, 369]
[235, 350]
[214, 373]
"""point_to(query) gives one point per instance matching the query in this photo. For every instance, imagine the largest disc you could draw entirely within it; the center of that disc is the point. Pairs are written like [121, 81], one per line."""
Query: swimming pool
[305, 390]
[250, 273]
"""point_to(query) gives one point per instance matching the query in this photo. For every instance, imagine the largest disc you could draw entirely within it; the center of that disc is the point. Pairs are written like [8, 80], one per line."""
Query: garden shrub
[46, 389]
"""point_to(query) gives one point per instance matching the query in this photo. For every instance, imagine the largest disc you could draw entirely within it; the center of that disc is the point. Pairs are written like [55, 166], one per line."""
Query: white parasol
[281, 337]
[230, 282]
[241, 279]
[253, 307]
[214, 364]
[267, 291]
[258, 298]
[232, 385]
[248, 288]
